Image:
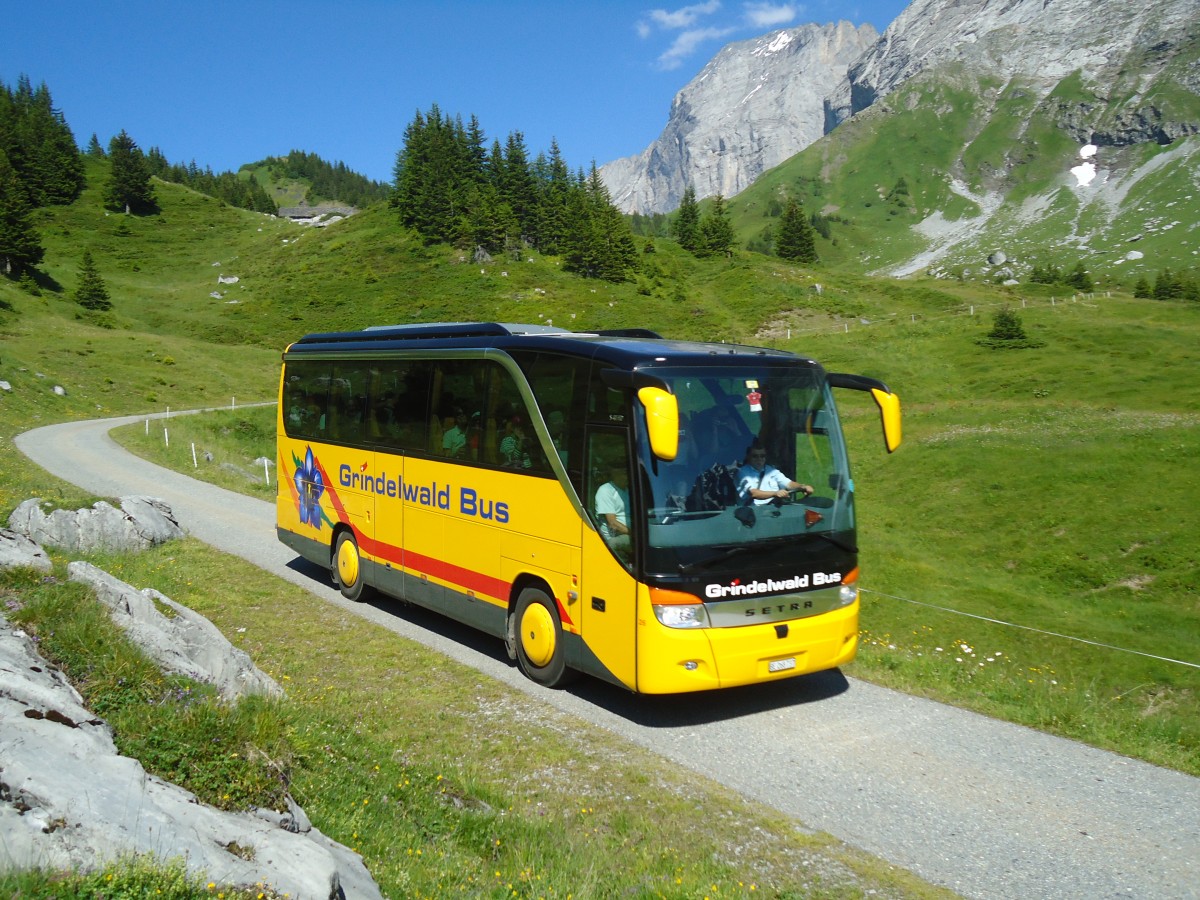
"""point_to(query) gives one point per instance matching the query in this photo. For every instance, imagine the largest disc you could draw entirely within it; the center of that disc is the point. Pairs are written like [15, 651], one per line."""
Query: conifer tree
[1141, 289]
[795, 240]
[716, 230]
[516, 185]
[554, 187]
[1079, 278]
[686, 227]
[1008, 333]
[20, 246]
[39, 145]
[56, 164]
[129, 188]
[91, 292]
[94, 149]
[1166, 286]
[601, 244]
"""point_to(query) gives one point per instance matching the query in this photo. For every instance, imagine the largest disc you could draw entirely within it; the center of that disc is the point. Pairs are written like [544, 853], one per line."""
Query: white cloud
[693, 25]
[686, 43]
[684, 17]
[770, 15]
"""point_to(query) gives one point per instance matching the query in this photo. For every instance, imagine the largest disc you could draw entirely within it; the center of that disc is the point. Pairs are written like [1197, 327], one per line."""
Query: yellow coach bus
[667, 516]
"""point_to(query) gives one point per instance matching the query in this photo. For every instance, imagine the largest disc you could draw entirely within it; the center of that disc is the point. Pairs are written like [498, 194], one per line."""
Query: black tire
[346, 566]
[538, 637]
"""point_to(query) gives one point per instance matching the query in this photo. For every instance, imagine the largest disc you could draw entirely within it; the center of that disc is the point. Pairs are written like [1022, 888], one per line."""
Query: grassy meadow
[1027, 552]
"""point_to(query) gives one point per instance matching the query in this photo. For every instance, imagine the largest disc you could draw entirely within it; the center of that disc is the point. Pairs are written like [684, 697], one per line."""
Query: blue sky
[226, 83]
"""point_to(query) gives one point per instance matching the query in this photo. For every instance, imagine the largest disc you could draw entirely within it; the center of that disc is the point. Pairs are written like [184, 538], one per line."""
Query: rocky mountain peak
[1043, 39]
[759, 102]
[755, 104]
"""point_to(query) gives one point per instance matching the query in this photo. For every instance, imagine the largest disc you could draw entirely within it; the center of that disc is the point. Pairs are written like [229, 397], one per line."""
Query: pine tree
[40, 147]
[601, 244]
[94, 149]
[1008, 333]
[716, 230]
[686, 227]
[56, 164]
[1079, 278]
[129, 188]
[516, 185]
[1141, 289]
[795, 240]
[554, 187]
[1166, 286]
[91, 292]
[20, 246]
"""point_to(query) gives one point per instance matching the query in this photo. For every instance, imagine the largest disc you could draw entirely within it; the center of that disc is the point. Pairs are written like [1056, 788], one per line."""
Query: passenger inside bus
[454, 439]
[514, 450]
[612, 506]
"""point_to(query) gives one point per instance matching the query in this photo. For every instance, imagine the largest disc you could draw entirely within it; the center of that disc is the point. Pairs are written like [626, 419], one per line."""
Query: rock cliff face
[759, 102]
[1049, 39]
[754, 105]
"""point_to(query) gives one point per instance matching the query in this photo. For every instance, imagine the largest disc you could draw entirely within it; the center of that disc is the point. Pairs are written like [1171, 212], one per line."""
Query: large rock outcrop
[183, 642]
[138, 524]
[17, 549]
[755, 104]
[69, 801]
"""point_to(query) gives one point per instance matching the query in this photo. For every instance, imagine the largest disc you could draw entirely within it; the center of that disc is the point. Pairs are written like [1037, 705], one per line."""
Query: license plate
[781, 665]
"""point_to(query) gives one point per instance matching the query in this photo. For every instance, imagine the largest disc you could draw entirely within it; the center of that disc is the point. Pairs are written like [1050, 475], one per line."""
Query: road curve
[981, 806]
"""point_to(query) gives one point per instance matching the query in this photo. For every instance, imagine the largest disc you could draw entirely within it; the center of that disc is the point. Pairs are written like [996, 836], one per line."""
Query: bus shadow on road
[677, 710]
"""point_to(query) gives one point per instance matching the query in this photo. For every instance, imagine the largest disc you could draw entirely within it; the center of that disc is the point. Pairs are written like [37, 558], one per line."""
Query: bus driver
[762, 483]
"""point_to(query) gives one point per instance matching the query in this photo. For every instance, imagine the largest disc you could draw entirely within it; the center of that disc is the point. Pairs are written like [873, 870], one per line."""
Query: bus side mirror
[888, 403]
[889, 411]
[662, 421]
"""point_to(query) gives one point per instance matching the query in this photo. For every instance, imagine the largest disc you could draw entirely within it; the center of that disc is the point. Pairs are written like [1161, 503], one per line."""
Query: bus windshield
[761, 469]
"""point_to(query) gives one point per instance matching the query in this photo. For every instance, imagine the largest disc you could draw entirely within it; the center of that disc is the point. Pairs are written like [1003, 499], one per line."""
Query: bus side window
[348, 402]
[518, 447]
[401, 405]
[560, 384]
[307, 398]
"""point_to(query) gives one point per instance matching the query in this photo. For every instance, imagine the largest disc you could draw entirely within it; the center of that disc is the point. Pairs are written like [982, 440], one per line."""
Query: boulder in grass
[138, 524]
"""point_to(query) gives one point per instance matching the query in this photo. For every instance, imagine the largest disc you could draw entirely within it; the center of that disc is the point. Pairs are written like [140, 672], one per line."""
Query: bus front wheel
[539, 639]
[347, 566]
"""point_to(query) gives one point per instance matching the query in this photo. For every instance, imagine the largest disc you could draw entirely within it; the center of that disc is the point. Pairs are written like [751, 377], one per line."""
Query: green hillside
[952, 168]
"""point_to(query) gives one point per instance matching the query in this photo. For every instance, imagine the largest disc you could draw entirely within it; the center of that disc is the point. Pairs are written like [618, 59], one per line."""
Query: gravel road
[984, 807]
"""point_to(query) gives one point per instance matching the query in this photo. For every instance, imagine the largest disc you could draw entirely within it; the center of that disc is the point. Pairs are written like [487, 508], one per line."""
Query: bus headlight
[691, 616]
[848, 592]
[676, 609]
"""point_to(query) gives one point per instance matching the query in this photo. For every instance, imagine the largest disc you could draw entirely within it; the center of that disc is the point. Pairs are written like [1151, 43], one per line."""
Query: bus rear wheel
[347, 566]
[539, 639]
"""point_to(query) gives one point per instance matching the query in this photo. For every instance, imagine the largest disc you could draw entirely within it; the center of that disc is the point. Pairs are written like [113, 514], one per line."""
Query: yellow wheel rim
[537, 634]
[347, 563]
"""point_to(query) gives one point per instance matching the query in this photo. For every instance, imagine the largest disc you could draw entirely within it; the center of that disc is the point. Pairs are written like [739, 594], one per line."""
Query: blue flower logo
[309, 488]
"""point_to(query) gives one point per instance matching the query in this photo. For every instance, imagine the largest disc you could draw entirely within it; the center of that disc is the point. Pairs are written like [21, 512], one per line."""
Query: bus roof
[627, 348]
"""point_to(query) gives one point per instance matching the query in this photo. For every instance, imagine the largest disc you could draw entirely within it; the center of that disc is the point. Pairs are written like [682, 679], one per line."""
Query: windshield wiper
[837, 542]
[726, 553]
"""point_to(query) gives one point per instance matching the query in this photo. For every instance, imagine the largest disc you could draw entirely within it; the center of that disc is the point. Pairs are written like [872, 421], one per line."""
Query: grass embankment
[1041, 496]
[446, 782]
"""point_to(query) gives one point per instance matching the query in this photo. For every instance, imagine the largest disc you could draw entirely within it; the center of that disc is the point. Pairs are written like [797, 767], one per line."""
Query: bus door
[609, 590]
[400, 427]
